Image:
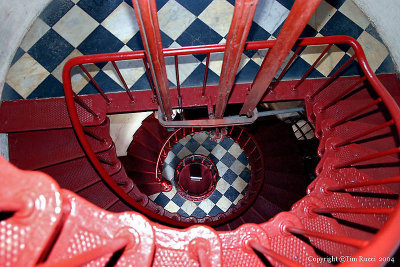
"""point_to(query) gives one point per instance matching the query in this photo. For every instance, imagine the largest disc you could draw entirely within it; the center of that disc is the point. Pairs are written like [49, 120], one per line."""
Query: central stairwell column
[146, 14]
[240, 26]
[295, 23]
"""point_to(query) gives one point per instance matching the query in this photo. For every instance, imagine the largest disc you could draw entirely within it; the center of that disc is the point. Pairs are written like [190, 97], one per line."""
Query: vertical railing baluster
[203, 93]
[123, 81]
[288, 65]
[146, 67]
[95, 83]
[84, 105]
[313, 65]
[178, 85]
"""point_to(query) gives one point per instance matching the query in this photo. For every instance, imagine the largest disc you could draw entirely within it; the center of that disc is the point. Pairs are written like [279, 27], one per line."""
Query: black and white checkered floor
[234, 175]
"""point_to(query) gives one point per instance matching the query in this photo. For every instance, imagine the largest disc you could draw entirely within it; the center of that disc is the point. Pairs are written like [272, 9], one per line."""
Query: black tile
[353, 69]
[247, 73]
[198, 33]
[209, 144]
[174, 162]
[55, 11]
[226, 142]
[141, 84]
[298, 69]
[50, 87]
[231, 194]
[387, 66]
[9, 93]
[162, 200]
[256, 33]
[183, 213]
[229, 176]
[199, 213]
[99, 9]
[231, 1]
[197, 76]
[196, 7]
[215, 196]
[308, 32]
[107, 84]
[215, 211]
[192, 145]
[213, 158]
[286, 3]
[100, 41]
[178, 200]
[339, 24]
[160, 3]
[50, 50]
[245, 175]
[135, 43]
[228, 159]
[371, 30]
[18, 54]
[166, 40]
[176, 148]
[336, 3]
[243, 159]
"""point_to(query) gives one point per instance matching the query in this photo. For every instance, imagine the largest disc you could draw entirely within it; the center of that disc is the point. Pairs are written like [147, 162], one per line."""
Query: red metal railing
[388, 236]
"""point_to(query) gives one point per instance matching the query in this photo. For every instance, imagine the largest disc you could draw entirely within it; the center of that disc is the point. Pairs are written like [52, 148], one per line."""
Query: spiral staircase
[99, 209]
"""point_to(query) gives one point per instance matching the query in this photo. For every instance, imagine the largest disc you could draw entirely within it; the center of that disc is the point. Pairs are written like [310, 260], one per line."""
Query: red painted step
[44, 114]
[39, 149]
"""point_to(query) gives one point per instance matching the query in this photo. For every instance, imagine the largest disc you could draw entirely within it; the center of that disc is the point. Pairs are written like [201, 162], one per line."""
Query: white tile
[374, 50]
[75, 26]
[321, 16]
[235, 150]
[37, 30]
[25, 75]
[131, 71]
[218, 151]
[237, 167]
[201, 137]
[169, 157]
[355, 14]
[239, 197]
[57, 72]
[222, 186]
[202, 151]
[188, 207]
[243, 61]
[123, 127]
[259, 56]
[168, 172]
[328, 62]
[218, 16]
[154, 196]
[171, 207]
[270, 14]
[184, 152]
[122, 22]
[206, 205]
[224, 203]
[187, 64]
[215, 63]
[171, 193]
[222, 168]
[174, 19]
[184, 141]
[239, 184]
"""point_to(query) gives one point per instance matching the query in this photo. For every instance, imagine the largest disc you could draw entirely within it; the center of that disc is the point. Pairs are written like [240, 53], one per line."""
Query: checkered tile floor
[69, 28]
[233, 168]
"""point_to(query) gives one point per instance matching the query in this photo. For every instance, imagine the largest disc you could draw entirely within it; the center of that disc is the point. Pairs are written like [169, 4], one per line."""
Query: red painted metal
[356, 112]
[333, 77]
[344, 93]
[123, 81]
[368, 157]
[365, 133]
[366, 183]
[146, 67]
[270, 253]
[312, 66]
[299, 15]
[95, 83]
[354, 210]
[288, 65]
[205, 75]
[334, 238]
[146, 14]
[237, 36]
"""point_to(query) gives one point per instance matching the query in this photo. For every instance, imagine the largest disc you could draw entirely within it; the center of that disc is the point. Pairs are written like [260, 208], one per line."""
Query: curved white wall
[18, 16]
